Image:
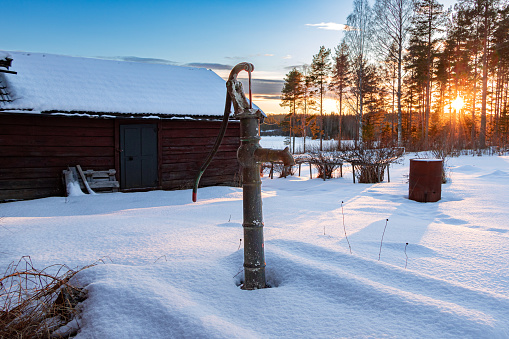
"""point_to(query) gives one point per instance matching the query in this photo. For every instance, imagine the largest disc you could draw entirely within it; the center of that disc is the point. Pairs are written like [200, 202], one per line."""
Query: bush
[325, 162]
[369, 160]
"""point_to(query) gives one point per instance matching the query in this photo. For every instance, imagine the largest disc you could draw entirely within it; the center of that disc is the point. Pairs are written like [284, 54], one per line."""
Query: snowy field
[171, 266]
[279, 142]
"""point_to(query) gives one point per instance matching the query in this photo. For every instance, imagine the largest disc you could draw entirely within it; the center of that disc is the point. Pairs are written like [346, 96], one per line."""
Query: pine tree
[428, 24]
[292, 92]
[319, 75]
[463, 45]
[374, 103]
[340, 79]
[308, 105]
[500, 59]
[486, 11]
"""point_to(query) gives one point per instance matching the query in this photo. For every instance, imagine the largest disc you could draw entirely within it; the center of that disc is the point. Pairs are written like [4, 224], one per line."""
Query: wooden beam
[85, 182]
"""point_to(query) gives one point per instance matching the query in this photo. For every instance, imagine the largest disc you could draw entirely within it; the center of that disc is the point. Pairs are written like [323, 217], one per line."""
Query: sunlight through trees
[412, 73]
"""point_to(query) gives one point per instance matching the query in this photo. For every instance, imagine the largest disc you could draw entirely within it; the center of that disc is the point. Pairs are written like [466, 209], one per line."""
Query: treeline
[409, 73]
[289, 125]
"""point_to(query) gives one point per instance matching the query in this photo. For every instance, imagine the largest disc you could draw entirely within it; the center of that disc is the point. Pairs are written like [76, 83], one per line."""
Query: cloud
[329, 26]
[209, 65]
[264, 87]
[143, 60]
[247, 57]
[213, 66]
[266, 97]
[289, 68]
[288, 56]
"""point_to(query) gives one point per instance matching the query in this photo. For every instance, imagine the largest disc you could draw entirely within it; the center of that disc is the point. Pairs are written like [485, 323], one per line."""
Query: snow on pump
[250, 156]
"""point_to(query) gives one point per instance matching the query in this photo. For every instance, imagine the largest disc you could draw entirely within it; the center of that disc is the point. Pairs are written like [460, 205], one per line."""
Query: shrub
[325, 162]
[369, 160]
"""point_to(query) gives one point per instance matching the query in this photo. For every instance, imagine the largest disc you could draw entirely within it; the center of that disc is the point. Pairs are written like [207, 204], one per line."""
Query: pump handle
[243, 66]
[219, 139]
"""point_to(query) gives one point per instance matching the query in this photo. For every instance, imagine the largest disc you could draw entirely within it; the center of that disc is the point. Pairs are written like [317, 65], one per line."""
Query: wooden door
[138, 158]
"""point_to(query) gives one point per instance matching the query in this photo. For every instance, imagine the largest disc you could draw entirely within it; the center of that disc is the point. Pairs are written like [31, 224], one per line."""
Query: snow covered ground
[279, 142]
[171, 267]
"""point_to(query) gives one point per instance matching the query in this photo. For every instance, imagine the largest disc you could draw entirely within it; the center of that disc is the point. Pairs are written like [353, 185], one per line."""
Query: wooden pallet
[91, 180]
[102, 179]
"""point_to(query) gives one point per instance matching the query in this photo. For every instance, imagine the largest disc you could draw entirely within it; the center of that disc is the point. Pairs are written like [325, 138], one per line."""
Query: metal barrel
[425, 180]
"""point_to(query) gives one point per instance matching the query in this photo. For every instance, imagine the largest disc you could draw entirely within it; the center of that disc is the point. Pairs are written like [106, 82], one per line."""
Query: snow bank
[170, 268]
[74, 189]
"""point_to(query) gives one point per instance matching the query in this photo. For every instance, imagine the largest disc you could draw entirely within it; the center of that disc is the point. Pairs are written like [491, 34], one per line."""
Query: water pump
[250, 156]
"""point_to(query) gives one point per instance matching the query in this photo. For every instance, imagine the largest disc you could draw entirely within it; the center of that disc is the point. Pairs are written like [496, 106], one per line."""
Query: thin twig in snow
[163, 256]
[406, 260]
[344, 228]
[381, 241]
[239, 272]
[1, 220]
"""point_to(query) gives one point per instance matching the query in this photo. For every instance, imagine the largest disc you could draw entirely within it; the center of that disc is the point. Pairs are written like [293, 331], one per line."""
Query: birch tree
[358, 37]
[393, 19]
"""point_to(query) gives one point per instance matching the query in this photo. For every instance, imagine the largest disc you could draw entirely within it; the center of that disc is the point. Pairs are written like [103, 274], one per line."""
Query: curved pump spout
[268, 155]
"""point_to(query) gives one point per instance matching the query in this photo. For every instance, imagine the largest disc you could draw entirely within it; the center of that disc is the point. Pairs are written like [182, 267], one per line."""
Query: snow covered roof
[4, 55]
[48, 82]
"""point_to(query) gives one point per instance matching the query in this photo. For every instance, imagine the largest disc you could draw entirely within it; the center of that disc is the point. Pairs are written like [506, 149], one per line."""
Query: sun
[457, 103]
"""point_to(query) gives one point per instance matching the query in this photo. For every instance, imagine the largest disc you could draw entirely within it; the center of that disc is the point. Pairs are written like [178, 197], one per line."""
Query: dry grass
[35, 303]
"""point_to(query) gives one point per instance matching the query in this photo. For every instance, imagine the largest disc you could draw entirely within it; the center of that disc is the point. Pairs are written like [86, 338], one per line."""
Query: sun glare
[330, 105]
[457, 103]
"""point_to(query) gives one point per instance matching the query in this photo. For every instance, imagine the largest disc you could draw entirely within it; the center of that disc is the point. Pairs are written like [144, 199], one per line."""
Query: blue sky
[273, 35]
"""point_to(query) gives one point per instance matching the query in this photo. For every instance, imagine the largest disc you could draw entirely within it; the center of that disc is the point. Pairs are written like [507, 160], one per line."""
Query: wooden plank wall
[185, 146]
[35, 149]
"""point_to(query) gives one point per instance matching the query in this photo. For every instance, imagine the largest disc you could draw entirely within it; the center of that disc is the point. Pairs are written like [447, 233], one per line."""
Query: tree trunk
[472, 133]
[400, 114]
[428, 86]
[340, 131]
[482, 132]
[360, 103]
[321, 116]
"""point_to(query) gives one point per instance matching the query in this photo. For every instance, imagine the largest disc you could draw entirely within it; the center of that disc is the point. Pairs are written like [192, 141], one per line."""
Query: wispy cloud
[266, 97]
[294, 66]
[265, 87]
[209, 65]
[287, 57]
[329, 26]
[144, 60]
[249, 56]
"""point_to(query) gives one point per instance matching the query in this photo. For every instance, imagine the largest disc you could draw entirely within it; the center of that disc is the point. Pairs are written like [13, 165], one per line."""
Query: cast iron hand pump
[250, 155]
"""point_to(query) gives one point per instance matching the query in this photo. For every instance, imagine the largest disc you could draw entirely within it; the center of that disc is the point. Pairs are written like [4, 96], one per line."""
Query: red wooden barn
[153, 123]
